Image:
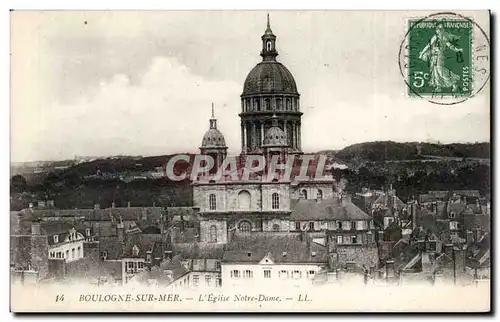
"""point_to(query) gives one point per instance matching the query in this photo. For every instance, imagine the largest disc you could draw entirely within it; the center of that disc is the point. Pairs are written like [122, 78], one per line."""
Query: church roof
[269, 77]
[328, 209]
[213, 138]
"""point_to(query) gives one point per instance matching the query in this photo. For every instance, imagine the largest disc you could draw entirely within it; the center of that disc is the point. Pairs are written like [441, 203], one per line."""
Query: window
[278, 104]
[56, 239]
[354, 239]
[311, 274]
[247, 274]
[297, 225]
[360, 225]
[296, 274]
[52, 254]
[339, 239]
[283, 274]
[79, 252]
[269, 45]
[268, 104]
[140, 265]
[217, 265]
[311, 225]
[208, 280]
[196, 280]
[320, 194]
[212, 202]
[104, 255]
[275, 201]
[453, 225]
[244, 200]
[67, 254]
[235, 273]
[213, 234]
[452, 215]
[276, 227]
[304, 194]
[130, 266]
[339, 225]
[267, 273]
[346, 225]
[245, 227]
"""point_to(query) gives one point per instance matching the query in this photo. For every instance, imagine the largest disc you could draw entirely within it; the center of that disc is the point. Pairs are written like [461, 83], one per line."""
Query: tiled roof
[145, 243]
[287, 248]
[198, 251]
[328, 209]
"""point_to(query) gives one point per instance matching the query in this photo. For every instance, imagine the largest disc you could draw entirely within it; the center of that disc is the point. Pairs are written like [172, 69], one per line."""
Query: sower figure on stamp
[433, 53]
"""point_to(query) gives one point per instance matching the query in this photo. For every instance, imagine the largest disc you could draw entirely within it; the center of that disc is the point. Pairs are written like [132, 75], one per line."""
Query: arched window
[278, 104]
[244, 200]
[268, 104]
[276, 227]
[257, 104]
[275, 201]
[288, 104]
[213, 234]
[320, 194]
[304, 194]
[245, 227]
[269, 45]
[212, 202]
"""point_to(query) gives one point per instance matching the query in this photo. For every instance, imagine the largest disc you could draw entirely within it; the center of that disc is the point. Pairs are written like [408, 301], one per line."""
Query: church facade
[270, 126]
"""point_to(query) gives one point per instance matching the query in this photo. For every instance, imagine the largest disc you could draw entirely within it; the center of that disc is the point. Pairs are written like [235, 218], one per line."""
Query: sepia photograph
[250, 161]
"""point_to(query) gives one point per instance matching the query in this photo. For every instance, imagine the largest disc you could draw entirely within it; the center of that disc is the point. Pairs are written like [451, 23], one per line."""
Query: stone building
[270, 126]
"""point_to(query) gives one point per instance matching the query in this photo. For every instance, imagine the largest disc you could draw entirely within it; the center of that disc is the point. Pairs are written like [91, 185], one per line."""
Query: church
[270, 125]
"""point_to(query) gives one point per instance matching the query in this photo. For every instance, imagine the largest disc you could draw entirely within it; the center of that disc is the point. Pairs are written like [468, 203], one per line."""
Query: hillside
[388, 150]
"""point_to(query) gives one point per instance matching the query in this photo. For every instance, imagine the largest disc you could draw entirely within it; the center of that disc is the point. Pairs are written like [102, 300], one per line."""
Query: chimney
[459, 253]
[333, 259]
[389, 269]
[30, 205]
[120, 231]
[97, 206]
[36, 227]
[470, 237]
[380, 236]
[168, 254]
[128, 204]
[113, 204]
[448, 249]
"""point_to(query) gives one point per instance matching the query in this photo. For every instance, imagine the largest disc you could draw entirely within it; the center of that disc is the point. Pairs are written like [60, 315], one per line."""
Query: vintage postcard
[250, 161]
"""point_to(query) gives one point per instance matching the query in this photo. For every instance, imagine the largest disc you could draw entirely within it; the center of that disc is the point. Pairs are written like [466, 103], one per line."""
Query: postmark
[444, 58]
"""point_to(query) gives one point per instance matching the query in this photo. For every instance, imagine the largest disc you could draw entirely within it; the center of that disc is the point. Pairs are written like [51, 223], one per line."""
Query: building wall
[227, 197]
[361, 255]
[221, 226]
[206, 280]
[258, 278]
[39, 255]
[68, 249]
[127, 273]
[312, 190]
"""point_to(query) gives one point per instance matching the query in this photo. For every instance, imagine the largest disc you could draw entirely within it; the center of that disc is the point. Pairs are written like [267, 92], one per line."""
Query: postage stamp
[444, 58]
[440, 57]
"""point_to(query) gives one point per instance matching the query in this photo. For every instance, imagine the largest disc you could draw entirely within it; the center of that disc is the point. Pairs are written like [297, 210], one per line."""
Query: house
[272, 259]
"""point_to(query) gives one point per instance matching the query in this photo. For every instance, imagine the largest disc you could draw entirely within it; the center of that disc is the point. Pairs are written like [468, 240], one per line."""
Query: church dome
[213, 138]
[275, 137]
[269, 77]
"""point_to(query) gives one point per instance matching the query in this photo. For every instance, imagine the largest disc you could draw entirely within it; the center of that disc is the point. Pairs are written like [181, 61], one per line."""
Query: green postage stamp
[440, 57]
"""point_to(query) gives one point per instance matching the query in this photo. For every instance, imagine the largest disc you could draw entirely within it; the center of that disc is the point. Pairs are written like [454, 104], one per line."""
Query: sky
[142, 82]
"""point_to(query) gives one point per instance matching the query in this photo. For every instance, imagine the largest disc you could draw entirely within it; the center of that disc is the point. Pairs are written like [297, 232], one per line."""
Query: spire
[268, 43]
[213, 120]
[274, 120]
[268, 29]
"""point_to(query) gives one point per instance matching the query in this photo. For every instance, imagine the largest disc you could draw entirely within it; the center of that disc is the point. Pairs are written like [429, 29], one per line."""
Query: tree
[18, 183]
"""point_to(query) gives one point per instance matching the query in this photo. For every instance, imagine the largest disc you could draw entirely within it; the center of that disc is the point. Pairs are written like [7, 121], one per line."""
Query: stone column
[285, 130]
[242, 136]
[261, 133]
[254, 134]
[299, 138]
[294, 135]
[245, 143]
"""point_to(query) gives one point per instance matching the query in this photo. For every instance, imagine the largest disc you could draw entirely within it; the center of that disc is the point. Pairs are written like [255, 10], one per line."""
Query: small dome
[275, 137]
[269, 77]
[213, 138]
